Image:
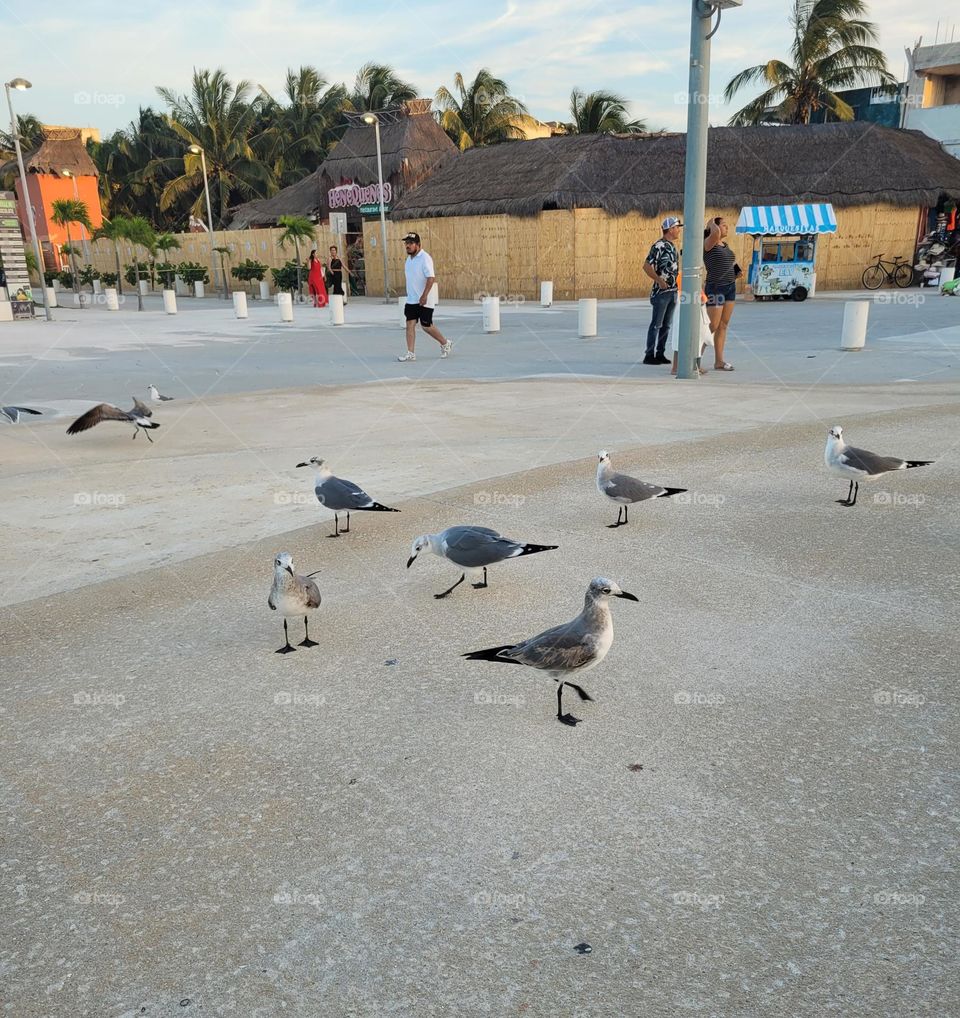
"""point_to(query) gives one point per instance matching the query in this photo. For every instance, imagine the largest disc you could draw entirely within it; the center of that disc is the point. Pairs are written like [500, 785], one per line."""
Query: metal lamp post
[372, 118]
[83, 232]
[196, 149]
[695, 180]
[20, 84]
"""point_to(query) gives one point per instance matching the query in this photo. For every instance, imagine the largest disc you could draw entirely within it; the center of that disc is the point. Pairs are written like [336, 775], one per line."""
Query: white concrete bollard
[180, 287]
[854, 334]
[240, 304]
[97, 287]
[587, 320]
[52, 296]
[546, 294]
[198, 288]
[170, 301]
[113, 302]
[491, 314]
[144, 286]
[56, 285]
[264, 290]
[336, 309]
[285, 303]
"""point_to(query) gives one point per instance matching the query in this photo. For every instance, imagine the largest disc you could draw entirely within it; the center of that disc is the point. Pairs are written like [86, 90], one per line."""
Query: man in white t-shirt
[421, 297]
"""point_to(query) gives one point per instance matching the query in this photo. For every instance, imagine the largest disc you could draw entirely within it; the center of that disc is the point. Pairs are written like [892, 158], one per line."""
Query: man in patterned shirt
[662, 266]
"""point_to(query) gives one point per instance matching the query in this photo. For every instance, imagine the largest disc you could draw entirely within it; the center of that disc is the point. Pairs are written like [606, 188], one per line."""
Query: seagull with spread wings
[139, 416]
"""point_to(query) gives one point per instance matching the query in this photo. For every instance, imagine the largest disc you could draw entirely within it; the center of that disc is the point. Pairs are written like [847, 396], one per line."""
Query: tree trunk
[296, 244]
[116, 251]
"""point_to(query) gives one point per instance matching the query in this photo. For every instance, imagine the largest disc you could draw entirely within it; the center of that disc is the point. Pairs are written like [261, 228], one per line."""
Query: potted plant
[194, 273]
[250, 271]
[288, 278]
[136, 272]
[87, 276]
[167, 271]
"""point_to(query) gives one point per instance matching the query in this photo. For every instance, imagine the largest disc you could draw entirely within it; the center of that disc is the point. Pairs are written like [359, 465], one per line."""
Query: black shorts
[719, 294]
[418, 313]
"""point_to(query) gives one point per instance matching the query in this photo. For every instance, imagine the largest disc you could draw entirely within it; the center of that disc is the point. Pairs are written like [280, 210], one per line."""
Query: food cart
[783, 265]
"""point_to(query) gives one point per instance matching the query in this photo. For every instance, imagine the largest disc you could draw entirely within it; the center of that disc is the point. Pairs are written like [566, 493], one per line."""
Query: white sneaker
[446, 348]
[408, 356]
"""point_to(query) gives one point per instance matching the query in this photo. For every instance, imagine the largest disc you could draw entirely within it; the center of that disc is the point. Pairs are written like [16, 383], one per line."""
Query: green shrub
[49, 275]
[286, 278]
[167, 271]
[66, 279]
[132, 271]
[193, 272]
[87, 275]
[108, 278]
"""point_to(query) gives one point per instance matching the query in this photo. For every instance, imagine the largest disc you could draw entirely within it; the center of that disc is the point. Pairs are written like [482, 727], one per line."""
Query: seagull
[138, 416]
[625, 490]
[292, 595]
[473, 549]
[859, 465]
[569, 649]
[341, 496]
[12, 413]
[155, 395]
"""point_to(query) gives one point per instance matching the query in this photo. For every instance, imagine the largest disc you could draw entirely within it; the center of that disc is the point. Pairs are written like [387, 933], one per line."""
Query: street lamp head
[20, 84]
[195, 149]
[66, 173]
[369, 118]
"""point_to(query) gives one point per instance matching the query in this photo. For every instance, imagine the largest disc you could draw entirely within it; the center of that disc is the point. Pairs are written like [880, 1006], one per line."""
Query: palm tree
[830, 51]
[378, 86]
[483, 112]
[224, 252]
[164, 242]
[31, 137]
[295, 229]
[218, 117]
[140, 233]
[65, 212]
[114, 230]
[601, 113]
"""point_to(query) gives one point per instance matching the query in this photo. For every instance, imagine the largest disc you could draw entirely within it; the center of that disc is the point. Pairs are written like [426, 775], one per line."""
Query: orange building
[59, 168]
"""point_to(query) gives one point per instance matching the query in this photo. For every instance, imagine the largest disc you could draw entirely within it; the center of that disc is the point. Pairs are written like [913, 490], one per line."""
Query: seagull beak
[290, 570]
[303, 464]
[410, 561]
[628, 597]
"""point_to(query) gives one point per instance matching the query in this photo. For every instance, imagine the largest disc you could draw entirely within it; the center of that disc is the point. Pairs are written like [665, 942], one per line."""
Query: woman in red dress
[318, 289]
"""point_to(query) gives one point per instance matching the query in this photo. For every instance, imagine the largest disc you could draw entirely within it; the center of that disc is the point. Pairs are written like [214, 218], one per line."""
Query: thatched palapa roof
[846, 164]
[412, 146]
[62, 149]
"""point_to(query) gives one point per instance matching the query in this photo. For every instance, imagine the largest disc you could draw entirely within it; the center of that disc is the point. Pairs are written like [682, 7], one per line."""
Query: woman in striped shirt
[720, 265]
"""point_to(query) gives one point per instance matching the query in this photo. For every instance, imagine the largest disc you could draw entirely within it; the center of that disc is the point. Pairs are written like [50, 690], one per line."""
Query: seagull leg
[136, 431]
[626, 515]
[463, 576]
[286, 648]
[149, 439]
[580, 691]
[856, 491]
[480, 586]
[336, 532]
[306, 641]
[566, 719]
[846, 501]
[621, 511]
[347, 531]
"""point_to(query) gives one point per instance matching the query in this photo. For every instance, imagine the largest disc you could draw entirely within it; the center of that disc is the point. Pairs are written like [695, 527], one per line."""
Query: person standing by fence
[662, 266]
[721, 269]
[315, 281]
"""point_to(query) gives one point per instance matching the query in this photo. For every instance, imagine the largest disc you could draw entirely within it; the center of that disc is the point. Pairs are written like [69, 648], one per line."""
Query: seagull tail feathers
[376, 507]
[918, 463]
[668, 492]
[492, 654]
[532, 549]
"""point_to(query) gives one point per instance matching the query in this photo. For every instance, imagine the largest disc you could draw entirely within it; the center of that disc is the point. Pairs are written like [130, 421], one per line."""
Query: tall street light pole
[695, 180]
[20, 84]
[372, 118]
[197, 150]
[83, 232]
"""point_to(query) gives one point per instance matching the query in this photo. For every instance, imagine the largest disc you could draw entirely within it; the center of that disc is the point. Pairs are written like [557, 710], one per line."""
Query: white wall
[939, 122]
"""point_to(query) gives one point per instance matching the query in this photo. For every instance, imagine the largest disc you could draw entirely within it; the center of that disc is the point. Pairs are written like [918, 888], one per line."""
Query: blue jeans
[664, 304]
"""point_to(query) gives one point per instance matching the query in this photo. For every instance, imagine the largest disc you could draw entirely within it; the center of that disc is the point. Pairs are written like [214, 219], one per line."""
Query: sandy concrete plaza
[757, 815]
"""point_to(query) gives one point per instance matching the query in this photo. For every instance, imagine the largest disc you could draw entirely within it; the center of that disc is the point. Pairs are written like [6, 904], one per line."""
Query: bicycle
[899, 272]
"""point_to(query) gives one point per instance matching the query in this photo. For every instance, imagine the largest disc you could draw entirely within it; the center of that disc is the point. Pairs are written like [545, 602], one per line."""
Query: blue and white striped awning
[773, 220]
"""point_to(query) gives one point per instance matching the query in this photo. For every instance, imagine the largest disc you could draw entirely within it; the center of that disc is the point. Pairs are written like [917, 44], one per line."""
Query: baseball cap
[414, 237]
[670, 222]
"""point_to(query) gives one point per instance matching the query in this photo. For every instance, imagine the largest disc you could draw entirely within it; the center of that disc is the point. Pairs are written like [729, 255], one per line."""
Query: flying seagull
[569, 649]
[473, 549]
[859, 465]
[625, 490]
[341, 496]
[156, 397]
[139, 416]
[292, 596]
[12, 413]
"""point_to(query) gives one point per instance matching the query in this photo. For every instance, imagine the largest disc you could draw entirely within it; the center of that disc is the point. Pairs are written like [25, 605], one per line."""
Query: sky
[94, 64]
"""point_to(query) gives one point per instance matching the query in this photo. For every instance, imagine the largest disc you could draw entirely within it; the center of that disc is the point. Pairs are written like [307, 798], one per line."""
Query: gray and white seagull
[139, 416]
[292, 596]
[12, 413]
[858, 465]
[341, 496]
[566, 650]
[473, 549]
[625, 490]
